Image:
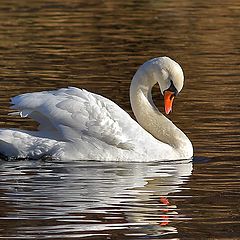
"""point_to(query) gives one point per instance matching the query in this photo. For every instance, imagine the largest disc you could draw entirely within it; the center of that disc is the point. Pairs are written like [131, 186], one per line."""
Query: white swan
[77, 124]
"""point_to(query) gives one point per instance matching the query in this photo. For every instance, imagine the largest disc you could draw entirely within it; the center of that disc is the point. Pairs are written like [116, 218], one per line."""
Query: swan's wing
[74, 113]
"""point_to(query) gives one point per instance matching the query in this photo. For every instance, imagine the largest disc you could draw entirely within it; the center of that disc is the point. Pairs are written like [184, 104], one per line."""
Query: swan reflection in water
[78, 197]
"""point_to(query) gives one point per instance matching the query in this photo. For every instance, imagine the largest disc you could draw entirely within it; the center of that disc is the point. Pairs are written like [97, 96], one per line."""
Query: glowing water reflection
[92, 197]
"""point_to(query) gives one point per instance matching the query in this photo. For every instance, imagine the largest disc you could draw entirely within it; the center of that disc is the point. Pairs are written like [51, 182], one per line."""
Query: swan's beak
[168, 101]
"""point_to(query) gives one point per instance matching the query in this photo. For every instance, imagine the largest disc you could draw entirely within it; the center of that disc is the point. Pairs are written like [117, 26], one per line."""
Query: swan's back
[70, 113]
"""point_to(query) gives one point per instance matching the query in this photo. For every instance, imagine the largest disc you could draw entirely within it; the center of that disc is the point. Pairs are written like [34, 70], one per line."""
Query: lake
[98, 45]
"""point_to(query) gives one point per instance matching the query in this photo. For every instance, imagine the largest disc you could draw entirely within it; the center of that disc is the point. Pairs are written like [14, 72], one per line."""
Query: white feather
[77, 110]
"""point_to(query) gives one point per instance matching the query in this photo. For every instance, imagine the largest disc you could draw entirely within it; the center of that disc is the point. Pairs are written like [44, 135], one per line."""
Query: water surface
[98, 45]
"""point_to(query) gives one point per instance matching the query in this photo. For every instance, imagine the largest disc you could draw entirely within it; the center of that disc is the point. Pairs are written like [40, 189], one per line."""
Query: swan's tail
[16, 144]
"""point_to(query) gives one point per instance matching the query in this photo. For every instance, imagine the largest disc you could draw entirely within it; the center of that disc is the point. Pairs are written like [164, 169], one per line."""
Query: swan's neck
[149, 117]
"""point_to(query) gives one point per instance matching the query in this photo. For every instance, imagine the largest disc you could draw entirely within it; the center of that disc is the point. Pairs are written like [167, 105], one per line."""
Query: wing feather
[73, 112]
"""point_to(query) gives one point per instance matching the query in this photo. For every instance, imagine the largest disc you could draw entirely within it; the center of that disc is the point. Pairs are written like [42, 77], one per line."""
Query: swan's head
[162, 70]
[170, 79]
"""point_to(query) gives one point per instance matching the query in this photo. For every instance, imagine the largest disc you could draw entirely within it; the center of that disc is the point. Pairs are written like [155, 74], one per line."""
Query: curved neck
[149, 117]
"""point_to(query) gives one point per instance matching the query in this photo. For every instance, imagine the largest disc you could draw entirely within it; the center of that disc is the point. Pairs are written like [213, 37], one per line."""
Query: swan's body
[77, 124]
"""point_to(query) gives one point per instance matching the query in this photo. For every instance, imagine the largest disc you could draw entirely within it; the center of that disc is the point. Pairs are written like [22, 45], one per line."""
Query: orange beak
[168, 101]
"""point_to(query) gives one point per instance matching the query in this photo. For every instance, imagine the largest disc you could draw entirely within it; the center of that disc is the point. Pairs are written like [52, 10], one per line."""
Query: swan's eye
[173, 89]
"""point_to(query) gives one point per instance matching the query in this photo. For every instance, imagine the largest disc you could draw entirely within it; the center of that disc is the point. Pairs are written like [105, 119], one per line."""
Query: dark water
[98, 45]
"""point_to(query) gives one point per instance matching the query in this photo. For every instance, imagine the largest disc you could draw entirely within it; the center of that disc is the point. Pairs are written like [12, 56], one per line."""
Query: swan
[75, 124]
